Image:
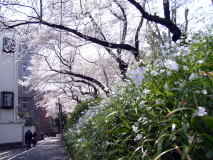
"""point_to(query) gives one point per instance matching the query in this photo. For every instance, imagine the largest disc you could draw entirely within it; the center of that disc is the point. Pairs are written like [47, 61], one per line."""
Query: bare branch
[186, 19]
[79, 76]
[122, 65]
[79, 34]
[163, 21]
[137, 35]
[41, 10]
[124, 20]
[166, 9]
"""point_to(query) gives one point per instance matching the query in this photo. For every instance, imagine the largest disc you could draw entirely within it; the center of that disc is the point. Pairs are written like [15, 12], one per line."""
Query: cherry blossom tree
[80, 16]
[61, 28]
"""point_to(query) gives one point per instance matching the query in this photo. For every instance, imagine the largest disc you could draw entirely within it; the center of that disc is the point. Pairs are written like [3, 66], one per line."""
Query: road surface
[48, 149]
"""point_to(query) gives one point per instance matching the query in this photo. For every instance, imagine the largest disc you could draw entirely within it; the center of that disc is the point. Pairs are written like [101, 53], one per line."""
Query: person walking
[28, 138]
[34, 138]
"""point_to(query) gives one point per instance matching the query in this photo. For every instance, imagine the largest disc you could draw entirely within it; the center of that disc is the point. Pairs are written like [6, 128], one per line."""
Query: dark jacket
[34, 135]
[28, 135]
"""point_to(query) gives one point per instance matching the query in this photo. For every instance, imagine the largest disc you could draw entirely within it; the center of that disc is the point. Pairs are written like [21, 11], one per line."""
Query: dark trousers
[34, 141]
[28, 143]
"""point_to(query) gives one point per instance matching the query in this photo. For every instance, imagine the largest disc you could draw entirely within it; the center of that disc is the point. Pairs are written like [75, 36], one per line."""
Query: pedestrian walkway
[49, 149]
[6, 154]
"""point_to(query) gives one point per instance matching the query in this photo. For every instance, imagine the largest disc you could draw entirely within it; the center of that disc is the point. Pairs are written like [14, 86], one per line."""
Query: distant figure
[28, 138]
[35, 138]
[42, 136]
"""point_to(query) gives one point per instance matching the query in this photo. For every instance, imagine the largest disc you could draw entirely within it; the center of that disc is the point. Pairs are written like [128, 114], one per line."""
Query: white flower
[149, 108]
[200, 61]
[136, 75]
[173, 126]
[80, 140]
[169, 73]
[204, 91]
[164, 53]
[142, 119]
[154, 73]
[182, 83]
[185, 68]
[137, 80]
[138, 137]
[157, 101]
[107, 143]
[176, 54]
[201, 111]
[193, 76]
[162, 70]
[142, 103]
[135, 128]
[184, 51]
[172, 65]
[177, 83]
[146, 91]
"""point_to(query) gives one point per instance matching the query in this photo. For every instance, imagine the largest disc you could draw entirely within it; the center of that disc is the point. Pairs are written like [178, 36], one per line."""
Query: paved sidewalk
[49, 149]
[6, 154]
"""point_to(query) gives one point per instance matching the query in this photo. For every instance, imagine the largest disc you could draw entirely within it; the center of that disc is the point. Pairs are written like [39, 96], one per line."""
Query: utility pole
[60, 115]
[60, 50]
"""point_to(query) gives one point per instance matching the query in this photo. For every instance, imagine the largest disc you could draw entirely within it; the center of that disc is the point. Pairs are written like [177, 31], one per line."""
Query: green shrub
[169, 116]
[80, 110]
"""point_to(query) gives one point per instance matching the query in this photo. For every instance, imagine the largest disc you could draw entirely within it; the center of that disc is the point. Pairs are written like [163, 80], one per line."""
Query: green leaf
[208, 139]
[158, 157]
[168, 110]
[160, 143]
[209, 154]
[111, 114]
[209, 122]
[177, 110]
[136, 150]
[203, 124]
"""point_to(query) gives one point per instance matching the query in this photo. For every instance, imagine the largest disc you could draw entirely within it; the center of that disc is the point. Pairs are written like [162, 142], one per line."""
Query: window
[9, 45]
[7, 100]
[24, 68]
[24, 104]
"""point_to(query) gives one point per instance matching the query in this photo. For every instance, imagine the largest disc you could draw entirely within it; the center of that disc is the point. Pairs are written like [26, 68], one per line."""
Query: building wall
[8, 82]
[11, 133]
[11, 128]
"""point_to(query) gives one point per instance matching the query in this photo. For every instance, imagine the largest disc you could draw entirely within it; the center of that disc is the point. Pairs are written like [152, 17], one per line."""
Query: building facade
[11, 127]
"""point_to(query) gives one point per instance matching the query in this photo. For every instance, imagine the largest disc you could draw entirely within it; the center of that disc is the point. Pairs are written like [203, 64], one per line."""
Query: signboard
[9, 45]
